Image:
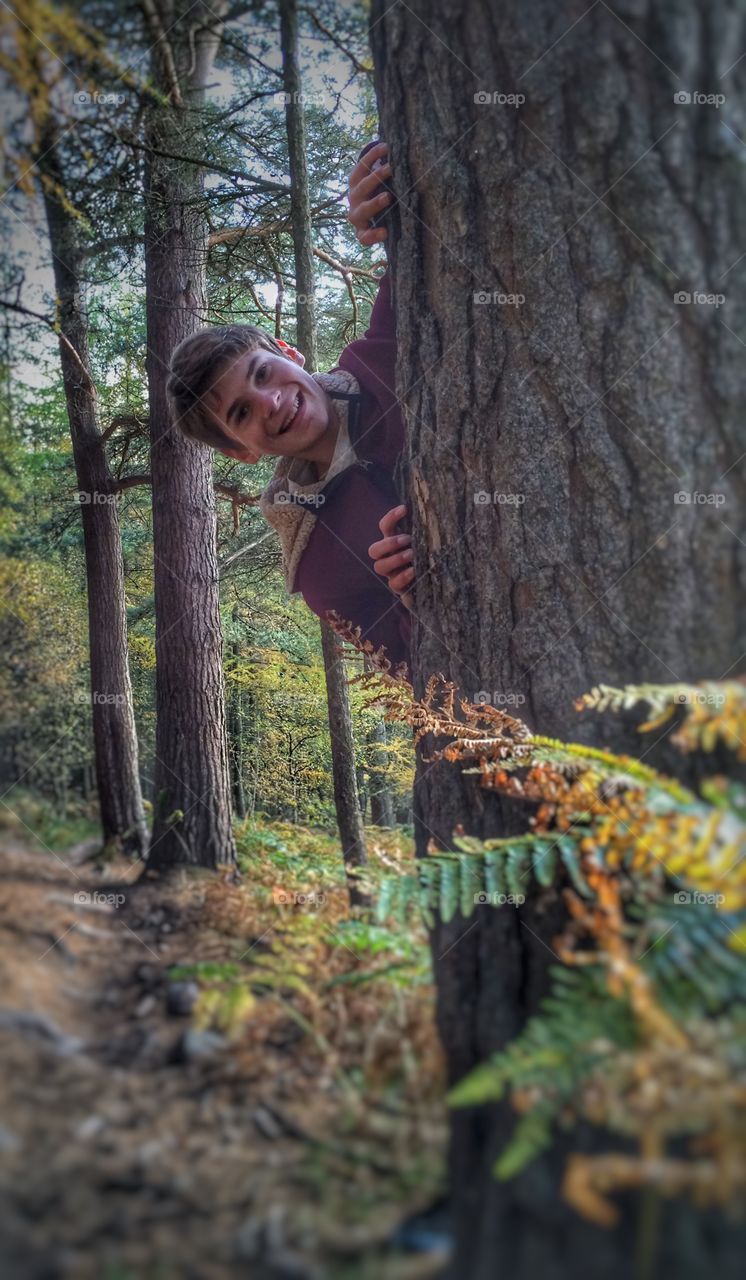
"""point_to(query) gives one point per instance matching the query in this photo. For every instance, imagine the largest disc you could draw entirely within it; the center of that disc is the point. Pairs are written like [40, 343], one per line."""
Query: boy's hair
[196, 365]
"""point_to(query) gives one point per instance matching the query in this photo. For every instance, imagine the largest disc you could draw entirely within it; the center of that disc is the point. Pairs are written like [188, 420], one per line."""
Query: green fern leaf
[531, 1136]
[494, 872]
[544, 862]
[468, 844]
[449, 889]
[407, 895]
[486, 1083]
[429, 890]
[517, 866]
[571, 863]
[471, 883]
[387, 898]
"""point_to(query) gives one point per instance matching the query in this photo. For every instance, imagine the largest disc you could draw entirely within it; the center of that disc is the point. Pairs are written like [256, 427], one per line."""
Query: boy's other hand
[364, 194]
[392, 555]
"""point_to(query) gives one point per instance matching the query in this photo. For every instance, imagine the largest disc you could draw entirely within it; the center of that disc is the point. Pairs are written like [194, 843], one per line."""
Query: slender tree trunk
[192, 815]
[114, 733]
[346, 799]
[300, 202]
[349, 817]
[381, 799]
[557, 401]
[236, 737]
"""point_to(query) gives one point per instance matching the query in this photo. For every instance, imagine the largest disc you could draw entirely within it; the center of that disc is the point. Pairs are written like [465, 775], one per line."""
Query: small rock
[89, 1127]
[267, 1124]
[149, 1151]
[148, 975]
[145, 1006]
[199, 1046]
[249, 1239]
[38, 1027]
[181, 998]
[9, 1141]
[288, 1266]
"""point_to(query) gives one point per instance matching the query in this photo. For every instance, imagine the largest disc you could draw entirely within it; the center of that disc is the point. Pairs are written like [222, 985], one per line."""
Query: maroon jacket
[335, 570]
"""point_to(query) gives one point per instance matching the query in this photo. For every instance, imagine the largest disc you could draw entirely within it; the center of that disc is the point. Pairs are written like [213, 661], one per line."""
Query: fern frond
[713, 711]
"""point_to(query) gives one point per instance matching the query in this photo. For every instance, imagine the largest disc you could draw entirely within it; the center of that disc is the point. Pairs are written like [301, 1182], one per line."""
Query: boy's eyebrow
[249, 371]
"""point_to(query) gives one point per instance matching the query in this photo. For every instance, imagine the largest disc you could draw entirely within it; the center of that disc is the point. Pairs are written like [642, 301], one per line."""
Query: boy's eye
[261, 372]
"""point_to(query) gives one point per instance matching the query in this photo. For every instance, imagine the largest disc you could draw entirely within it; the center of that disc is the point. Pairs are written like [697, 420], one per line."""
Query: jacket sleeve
[372, 358]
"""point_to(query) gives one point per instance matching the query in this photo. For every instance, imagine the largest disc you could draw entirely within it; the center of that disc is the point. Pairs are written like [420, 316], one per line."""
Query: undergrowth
[644, 1031]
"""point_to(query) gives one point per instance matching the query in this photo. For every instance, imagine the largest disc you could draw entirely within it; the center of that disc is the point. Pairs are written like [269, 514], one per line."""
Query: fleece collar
[294, 514]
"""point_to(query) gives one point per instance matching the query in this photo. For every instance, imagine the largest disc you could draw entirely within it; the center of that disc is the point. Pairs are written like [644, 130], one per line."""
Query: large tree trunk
[114, 733]
[580, 413]
[346, 799]
[192, 815]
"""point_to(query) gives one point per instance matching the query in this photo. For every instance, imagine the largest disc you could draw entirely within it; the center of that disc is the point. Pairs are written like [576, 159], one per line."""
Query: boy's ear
[291, 352]
[242, 455]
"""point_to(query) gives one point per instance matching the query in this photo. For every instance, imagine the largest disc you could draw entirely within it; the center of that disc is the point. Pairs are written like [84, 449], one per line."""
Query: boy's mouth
[292, 414]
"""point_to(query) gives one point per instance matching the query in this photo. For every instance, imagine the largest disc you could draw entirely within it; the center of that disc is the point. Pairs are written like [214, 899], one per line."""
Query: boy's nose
[269, 401]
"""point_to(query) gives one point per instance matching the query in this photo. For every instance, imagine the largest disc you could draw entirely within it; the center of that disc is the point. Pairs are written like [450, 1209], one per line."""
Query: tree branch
[318, 24]
[131, 481]
[52, 324]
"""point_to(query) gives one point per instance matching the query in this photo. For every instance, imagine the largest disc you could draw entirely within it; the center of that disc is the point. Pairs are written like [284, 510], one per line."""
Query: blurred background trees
[97, 90]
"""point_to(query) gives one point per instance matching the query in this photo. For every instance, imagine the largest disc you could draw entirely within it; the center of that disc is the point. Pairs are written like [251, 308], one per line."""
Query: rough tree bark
[114, 732]
[349, 821]
[595, 401]
[192, 811]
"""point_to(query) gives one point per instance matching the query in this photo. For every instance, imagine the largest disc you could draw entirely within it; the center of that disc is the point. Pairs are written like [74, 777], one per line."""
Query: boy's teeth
[291, 416]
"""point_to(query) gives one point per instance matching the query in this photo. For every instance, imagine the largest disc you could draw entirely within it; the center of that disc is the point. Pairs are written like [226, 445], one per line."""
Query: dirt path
[134, 1145]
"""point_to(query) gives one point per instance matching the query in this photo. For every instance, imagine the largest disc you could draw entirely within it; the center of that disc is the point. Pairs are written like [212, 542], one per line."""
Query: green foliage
[690, 956]
[577, 1027]
[577, 1020]
[494, 872]
[654, 881]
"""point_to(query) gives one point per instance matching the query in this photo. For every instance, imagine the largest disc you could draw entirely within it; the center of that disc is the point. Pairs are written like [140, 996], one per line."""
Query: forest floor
[204, 1080]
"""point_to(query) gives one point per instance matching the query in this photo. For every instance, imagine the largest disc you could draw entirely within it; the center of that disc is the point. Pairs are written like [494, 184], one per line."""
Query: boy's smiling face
[273, 406]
